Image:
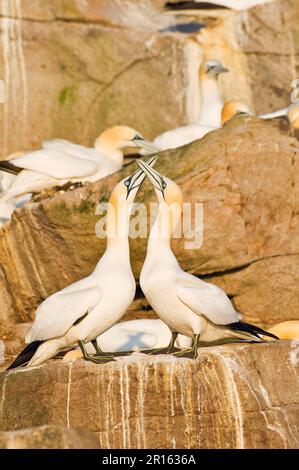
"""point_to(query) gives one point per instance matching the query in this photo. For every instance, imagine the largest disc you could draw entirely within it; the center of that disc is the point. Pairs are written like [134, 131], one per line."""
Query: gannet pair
[188, 305]
[82, 311]
[210, 115]
[60, 162]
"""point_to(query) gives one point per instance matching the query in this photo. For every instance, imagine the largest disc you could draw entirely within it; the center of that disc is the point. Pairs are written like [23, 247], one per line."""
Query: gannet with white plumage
[210, 114]
[60, 162]
[82, 311]
[187, 304]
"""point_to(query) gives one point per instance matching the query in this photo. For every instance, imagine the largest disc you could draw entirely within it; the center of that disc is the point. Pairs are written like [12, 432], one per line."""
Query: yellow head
[121, 202]
[234, 108]
[212, 69]
[170, 199]
[293, 115]
[119, 137]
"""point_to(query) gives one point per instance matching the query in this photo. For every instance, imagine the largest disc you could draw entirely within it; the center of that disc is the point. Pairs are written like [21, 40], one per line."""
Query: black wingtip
[191, 5]
[25, 356]
[252, 329]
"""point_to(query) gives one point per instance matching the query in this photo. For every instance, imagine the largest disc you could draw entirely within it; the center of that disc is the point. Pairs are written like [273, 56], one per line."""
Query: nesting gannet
[133, 335]
[187, 304]
[210, 115]
[233, 108]
[60, 161]
[85, 309]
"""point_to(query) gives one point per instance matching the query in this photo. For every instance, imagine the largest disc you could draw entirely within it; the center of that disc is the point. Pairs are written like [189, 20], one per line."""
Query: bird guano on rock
[87, 308]
[188, 305]
[60, 162]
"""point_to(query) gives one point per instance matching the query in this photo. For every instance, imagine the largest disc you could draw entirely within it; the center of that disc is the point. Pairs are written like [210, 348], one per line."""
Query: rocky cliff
[230, 397]
[72, 68]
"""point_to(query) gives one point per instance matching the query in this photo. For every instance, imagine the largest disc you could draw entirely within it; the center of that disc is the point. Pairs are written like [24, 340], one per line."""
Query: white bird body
[87, 308]
[210, 115]
[60, 161]
[182, 136]
[187, 304]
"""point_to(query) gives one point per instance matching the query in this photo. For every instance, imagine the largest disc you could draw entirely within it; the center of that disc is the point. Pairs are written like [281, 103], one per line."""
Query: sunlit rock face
[48, 437]
[72, 69]
[230, 397]
[246, 177]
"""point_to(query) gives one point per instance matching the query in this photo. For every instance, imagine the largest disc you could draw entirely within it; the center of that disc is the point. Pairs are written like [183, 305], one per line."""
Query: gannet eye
[163, 184]
[137, 137]
[127, 182]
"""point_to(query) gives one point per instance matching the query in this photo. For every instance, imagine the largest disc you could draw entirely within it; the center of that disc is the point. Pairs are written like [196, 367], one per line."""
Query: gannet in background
[293, 115]
[233, 108]
[133, 335]
[60, 162]
[188, 305]
[188, 134]
[210, 114]
[232, 4]
[85, 309]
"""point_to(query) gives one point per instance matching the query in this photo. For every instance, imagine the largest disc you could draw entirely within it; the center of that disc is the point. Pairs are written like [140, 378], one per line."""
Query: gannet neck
[165, 225]
[118, 218]
[111, 153]
[212, 103]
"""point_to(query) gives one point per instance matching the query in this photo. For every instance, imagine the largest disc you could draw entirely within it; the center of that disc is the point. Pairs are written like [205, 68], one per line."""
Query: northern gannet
[188, 305]
[60, 162]
[210, 114]
[82, 311]
[233, 108]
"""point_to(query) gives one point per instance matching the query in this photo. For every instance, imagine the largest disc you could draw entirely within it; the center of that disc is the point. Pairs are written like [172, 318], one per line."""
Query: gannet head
[167, 191]
[127, 189]
[119, 137]
[234, 108]
[212, 68]
[293, 115]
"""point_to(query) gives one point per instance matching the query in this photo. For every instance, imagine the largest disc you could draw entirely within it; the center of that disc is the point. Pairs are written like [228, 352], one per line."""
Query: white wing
[56, 163]
[181, 136]
[240, 5]
[57, 314]
[209, 301]
[72, 149]
[274, 114]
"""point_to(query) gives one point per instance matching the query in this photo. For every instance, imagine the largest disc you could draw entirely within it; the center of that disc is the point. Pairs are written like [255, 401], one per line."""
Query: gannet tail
[25, 356]
[253, 330]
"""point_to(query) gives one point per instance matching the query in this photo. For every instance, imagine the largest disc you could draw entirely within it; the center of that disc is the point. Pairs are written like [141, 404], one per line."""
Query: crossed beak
[155, 177]
[138, 176]
[142, 143]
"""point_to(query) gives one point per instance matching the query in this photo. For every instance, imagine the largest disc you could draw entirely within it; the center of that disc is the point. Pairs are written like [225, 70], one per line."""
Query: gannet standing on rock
[60, 162]
[82, 311]
[188, 305]
[210, 114]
